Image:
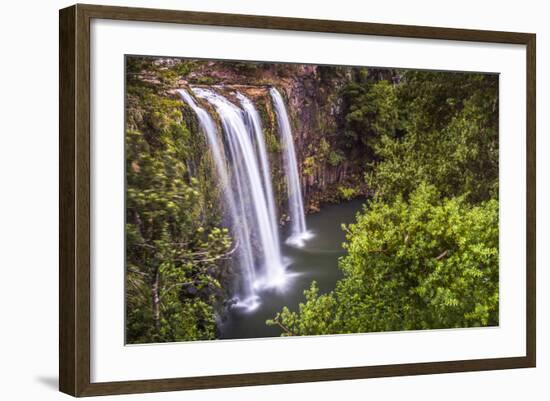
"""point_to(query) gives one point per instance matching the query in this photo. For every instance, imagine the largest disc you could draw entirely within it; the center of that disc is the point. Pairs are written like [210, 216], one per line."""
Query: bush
[425, 263]
[347, 193]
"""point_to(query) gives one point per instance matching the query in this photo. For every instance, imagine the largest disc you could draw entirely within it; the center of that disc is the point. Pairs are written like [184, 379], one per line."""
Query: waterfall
[240, 227]
[299, 233]
[242, 165]
[249, 179]
[254, 124]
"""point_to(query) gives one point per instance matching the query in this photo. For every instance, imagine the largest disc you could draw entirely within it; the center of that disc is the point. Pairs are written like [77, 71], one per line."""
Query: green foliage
[321, 154]
[247, 68]
[370, 112]
[425, 263]
[449, 137]
[336, 157]
[309, 165]
[347, 193]
[271, 136]
[175, 249]
[203, 80]
[185, 67]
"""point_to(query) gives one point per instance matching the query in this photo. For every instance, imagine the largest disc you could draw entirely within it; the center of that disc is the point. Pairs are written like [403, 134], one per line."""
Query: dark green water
[318, 261]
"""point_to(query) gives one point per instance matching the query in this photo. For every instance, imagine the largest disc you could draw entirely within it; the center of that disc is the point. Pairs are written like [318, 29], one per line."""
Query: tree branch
[143, 274]
[442, 255]
[282, 326]
[193, 256]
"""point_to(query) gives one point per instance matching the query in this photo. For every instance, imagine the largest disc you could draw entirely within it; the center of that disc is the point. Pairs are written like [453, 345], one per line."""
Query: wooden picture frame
[74, 203]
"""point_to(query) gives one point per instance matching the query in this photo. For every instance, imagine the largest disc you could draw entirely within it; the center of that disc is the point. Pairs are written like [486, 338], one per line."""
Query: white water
[252, 189]
[299, 233]
[241, 229]
[254, 124]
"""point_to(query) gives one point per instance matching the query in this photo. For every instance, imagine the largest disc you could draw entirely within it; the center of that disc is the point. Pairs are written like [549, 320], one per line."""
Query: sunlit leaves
[423, 263]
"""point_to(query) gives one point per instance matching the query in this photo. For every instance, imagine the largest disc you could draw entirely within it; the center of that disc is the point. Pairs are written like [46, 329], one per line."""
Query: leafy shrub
[423, 264]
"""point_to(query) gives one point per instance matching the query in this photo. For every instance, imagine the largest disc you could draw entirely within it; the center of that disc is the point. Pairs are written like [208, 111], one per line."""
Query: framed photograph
[250, 200]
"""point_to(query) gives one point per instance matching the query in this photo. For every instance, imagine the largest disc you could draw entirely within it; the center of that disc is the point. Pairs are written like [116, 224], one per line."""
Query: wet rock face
[315, 107]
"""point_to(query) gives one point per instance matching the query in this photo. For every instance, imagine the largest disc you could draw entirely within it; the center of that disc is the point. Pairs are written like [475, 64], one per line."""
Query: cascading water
[250, 181]
[241, 229]
[254, 124]
[299, 233]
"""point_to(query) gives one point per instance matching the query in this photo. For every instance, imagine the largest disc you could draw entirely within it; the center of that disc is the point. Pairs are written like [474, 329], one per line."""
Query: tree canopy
[423, 263]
